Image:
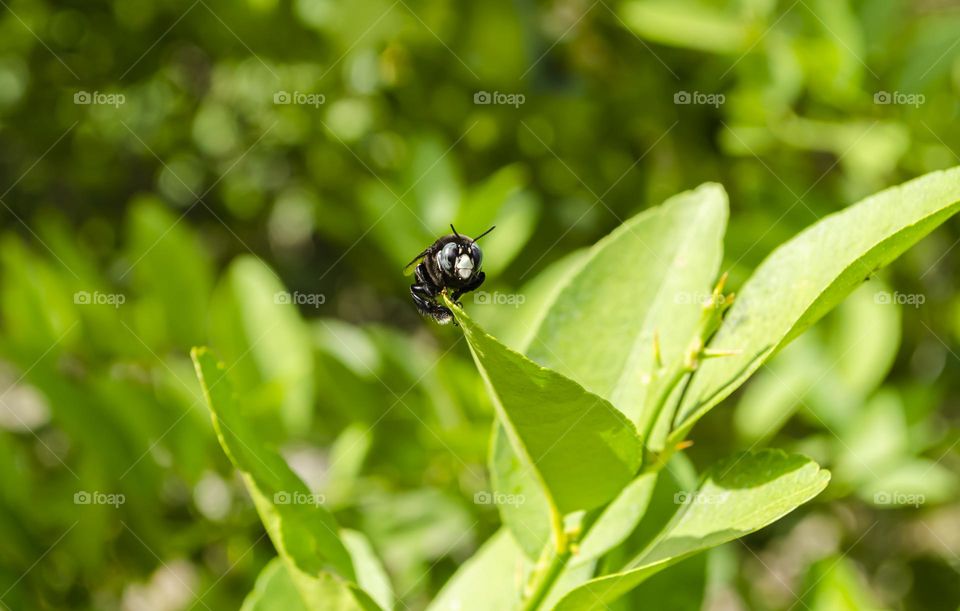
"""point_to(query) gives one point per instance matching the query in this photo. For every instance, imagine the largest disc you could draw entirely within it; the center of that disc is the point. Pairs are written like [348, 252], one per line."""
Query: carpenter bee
[452, 262]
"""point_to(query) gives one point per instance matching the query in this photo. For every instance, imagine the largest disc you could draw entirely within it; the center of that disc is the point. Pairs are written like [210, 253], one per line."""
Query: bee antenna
[484, 233]
[454, 230]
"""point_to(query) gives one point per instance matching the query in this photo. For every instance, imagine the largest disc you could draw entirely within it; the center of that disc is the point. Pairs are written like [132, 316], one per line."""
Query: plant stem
[560, 542]
[546, 579]
[661, 398]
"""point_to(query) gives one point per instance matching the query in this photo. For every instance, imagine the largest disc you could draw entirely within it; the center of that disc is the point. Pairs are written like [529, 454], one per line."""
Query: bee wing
[408, 269]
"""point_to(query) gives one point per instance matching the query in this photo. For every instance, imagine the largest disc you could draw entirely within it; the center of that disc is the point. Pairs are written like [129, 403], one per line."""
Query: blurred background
[254, 175]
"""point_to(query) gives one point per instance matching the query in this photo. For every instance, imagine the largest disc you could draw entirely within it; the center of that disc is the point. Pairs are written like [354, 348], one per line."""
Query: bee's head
[460, 257]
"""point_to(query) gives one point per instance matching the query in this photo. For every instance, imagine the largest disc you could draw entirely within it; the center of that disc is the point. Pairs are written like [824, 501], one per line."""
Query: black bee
[452, 262]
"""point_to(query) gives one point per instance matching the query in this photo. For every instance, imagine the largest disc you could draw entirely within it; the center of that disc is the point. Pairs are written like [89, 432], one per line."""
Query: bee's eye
[448, 256]
[477, 256]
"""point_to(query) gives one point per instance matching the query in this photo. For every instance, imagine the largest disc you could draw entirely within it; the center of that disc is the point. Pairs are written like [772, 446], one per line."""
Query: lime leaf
[598, 322]
[274, 591]
[371, 575]
[618, 519]
[581, 448]
[650, 276]
[303, 531]
[488, 581]
[810, 274]
[738, 496]
[257, 326]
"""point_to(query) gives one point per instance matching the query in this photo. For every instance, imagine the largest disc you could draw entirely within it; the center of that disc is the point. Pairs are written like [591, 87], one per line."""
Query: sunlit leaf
[303, 531]
[582, 449]
[738, 496]
[810, 274]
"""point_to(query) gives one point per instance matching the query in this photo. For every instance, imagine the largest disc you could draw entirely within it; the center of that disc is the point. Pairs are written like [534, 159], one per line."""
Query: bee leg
[472, 286]
[424, 297]
[427, 306]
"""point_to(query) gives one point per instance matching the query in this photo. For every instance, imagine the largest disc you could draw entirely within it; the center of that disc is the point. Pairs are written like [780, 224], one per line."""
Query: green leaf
[681, 586]
[304, 533]
[261, 333]
[691, 25]
[581, 448]
[488, 581]
[618, 519]
[806, 277]
[834, 584]
[159, 243]
[347, 455]
[274, 591]
[650, 276]
[529, 521]
[371, 575]
[518, 325]
[738, 496]
[597, 325]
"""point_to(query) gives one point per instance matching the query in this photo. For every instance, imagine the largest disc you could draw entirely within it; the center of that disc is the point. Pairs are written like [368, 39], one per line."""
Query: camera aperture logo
[899, 98]
[97, 298]
[498, 498]
[497, 298]
[99, 98]
[498, 98]
[298, 498]
[297, 298]
[698, 98]
[299, 98]
[84, 497]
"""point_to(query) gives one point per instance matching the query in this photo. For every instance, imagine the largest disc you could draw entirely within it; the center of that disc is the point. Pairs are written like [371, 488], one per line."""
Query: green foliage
[738, 496]
[202, 212]
[581, 452]
[647, 278]
[305, 534]
[817, 269]
[564, 434]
